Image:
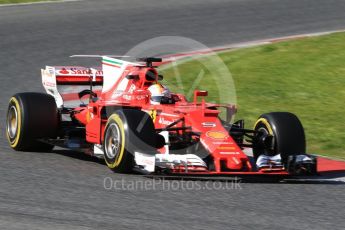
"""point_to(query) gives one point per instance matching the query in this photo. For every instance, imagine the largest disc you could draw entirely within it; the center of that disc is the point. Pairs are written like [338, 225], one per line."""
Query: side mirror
[199, 93]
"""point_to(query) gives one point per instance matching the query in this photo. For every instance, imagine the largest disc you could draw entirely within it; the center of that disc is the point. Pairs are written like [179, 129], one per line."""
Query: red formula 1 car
[121, 112]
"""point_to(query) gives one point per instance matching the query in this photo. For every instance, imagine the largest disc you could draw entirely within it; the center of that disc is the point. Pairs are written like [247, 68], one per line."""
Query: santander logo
[64, 71]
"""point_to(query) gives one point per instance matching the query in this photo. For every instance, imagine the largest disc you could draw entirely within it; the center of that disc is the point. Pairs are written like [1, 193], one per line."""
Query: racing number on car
[153, 114]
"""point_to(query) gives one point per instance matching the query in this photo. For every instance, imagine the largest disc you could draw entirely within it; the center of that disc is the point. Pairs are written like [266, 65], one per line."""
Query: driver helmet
[159, 94]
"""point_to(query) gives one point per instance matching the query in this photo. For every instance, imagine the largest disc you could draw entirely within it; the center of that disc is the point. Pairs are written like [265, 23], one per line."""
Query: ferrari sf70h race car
[111, 112]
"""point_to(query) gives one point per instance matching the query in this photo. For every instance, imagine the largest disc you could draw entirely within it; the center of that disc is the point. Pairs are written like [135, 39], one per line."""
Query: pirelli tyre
[279, 133]
[127, 131]
[31, 117]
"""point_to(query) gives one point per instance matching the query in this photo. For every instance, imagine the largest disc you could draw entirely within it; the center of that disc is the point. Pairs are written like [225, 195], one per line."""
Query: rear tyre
[279, 133]
[128, 131]
[30, 117]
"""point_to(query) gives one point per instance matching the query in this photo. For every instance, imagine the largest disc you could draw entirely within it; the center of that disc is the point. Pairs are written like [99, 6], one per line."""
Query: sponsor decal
[84, 72]
[51, 71]
[164, 122]
[208, 124]
[78, 71]
[222, 143]
[48, 78]
[226, 148]
[63, 71]
[230, 153]
[48, 75]
[218, 135]
[49, 84]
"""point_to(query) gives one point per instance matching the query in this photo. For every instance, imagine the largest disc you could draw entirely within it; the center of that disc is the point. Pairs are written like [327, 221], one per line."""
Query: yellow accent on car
[217, 135]
[14, 143]
[88, 116]
[153, 115]
[226, 148]
[266, 123]
[118, 121]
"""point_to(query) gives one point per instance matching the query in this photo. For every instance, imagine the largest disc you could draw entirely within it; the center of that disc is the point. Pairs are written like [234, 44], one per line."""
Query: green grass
[20, 1]
[305, 77]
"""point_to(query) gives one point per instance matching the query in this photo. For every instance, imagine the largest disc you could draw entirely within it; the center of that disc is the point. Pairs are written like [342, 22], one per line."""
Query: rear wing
[65, 82]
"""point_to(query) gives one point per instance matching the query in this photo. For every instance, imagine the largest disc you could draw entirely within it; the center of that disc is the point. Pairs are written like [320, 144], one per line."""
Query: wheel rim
[264, 132]
[113, 141]
[12, 122]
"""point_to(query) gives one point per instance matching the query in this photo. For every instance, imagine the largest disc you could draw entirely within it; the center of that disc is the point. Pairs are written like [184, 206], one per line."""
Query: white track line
[249, 44]
[35, 3]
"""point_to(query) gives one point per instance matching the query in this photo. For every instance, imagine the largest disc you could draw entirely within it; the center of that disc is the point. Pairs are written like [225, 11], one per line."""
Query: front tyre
[115, 154]
[279, 133]
[126, 132]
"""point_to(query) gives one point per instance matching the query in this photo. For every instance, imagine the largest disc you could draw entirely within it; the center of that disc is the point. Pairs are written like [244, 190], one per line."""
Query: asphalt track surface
[64, 190]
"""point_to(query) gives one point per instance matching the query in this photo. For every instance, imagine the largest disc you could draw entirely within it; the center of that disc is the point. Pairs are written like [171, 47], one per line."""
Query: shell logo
[219, 135]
